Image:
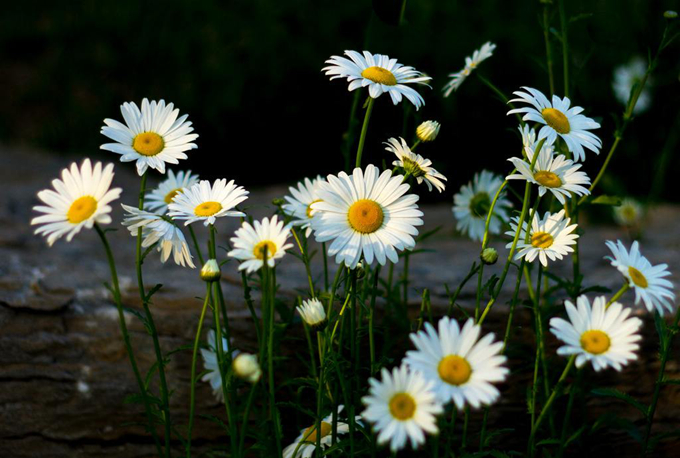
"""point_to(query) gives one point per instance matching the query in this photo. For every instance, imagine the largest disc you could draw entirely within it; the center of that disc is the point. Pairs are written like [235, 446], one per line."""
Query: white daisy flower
[380, 73]
[247, 367]
[159, 199]
[212, 374]
[151, 136]
[415, 164]
[80, 199]
[647, 280]
[471, 63]
[366, 213]
[428, 131]
[550, 238]
[203, 202]
[157, 229]
[528, 136]
[312, 312]
[305, 443]
[252, 242]
[463, 369]
[604, 336]
[299, 204]
[402, 407]
[472, 204]
[628, 75]
[552, 172]
[560, 120]
[629, 213]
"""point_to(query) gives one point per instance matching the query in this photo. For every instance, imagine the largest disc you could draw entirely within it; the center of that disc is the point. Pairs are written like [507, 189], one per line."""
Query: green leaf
[580, 17]
[671, 381]
[612, 393]
[607, 200]
[549, 442]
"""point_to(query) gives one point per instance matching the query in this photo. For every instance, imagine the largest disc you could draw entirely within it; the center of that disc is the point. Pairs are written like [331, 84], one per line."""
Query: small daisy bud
[246, 367]
[489, 256]
[211, 271]
[670, 14]
[361, 271]
[428, 131]
[278, 202]
[313, 313]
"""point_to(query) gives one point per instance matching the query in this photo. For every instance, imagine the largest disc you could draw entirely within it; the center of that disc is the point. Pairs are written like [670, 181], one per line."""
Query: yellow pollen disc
[454, 370]
[207, 208]
[557, 120]
[309, 207]
[548, 179]
[380, 75]
[81, 209]
[595, 342]
[637, 277]
[148, 143]
[365, 216]
[171, 195]
[310, 433]
[259, 249]
[402, 406]
[542, 240]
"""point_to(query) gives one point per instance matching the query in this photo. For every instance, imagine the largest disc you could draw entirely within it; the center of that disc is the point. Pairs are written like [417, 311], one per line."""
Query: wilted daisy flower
[212, 374]
[203, 202]
[157, 229]
[247, 367]
[559, 119]
[380, 73]
[415, 165]
[159, 199]
[152, 136]
[300, 202]
[472, 204]
[552, 172]
[402, 407]
[647, 280]
[629, 213]
[305, 443]
[80, 199]
[628, 75]
[427, 131]
[471, 63]
[313, 312]
[604, 336]
[462, 368]
[550, 238]
[253, 242]
[366, 213]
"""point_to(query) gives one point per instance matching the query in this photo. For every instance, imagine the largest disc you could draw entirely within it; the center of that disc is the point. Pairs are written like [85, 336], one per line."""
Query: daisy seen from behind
[312, 312]
[212, 372]
[299, 204]
[252, 243]
[206, 202]
[415, 165]
[626, 76]
[160, 198]
[472, 204]
[305, 443]
[471, 63]
[550, 237]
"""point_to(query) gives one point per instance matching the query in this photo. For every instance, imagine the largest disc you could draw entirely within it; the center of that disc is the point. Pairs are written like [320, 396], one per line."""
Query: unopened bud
[246, 367]
[313, 313]
[428, 131]
[489, 256]
[211, 271]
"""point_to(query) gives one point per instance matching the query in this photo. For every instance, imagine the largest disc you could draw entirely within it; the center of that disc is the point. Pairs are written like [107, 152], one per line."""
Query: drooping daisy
[299, 204]
[552, 172]
[305, 443]
[203, 202]
[463, 369]
[473, 202]
[560, 120]
[157, 229]
[628, 75]
[402, 407]
[151, 136]
[604, 336]
[212, 374]
[253, 243]
[366, 213]
[380, 73]
[629, 213]
[415, 164]
[312, 312]
[647, 280]
[159, 199]
[550, 237]
[80, 199]
[471, 63]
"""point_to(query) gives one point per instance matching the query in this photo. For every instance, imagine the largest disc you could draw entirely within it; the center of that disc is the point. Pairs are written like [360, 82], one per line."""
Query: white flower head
[472, 204]
[626, 76]
[299, 203]
[428, 131]
[415, 164]
[247, 367]
[159, 199]
[206, 202]
[212, 372]
[550, 237]
[471, 63]
[305, 443]
[629, 213]
[312, 312]
[253, 242]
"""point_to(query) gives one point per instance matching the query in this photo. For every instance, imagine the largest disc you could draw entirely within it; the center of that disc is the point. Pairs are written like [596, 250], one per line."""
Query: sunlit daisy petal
[472, 204]
[299, 204]
[206, 202]
[305, 443]
[471, 63]
[159, 199]
[415, 164]
[253, 242]
[550, 237]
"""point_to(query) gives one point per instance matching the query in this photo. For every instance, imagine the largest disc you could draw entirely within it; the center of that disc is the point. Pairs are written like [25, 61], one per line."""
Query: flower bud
[428, 131]
[670, 14]
[313, 313]
[246, 367]
[211, 271]
[278, 202]
[489, 256]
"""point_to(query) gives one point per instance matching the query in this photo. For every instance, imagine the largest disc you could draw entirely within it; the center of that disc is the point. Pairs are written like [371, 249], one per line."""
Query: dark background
[248, 74]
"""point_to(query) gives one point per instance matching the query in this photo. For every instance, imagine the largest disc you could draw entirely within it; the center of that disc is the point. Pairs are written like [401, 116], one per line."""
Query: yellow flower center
[310, 433]
[454, 370]
[309, 207]
[380, 75]
[365, 216]
[148, 143]
[629, 214]
[542, 240]
[547, 179]
[595, 342]
[557, 120]
[207, 208]
[480, 204]
[81, 209]
[260, 248]
[402, 406]
[637, 277]
[171, 195]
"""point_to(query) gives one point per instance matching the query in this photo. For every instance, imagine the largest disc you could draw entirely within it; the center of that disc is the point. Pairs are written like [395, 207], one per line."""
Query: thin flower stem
[548, 48]
[500, 94]
[513, 304]
[466, 421]
[485, 240]
[251, 307]
[567, 414]
[371, 313]
[310, 347]
[305, 261]
[405, 279]
[452, 299]
[478, 299]
[319, 399]
[539, 343]
[268, 300]
[325, 266]
[565, 46]
[364, 130]
[196, 245]
[354, 355]
[452, 428]
[246, 418]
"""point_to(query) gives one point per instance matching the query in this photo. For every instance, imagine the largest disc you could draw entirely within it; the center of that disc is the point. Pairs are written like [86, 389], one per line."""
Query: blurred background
[248, 73]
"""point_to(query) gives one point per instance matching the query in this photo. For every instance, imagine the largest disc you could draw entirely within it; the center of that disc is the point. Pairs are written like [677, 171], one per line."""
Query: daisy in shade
[80, 199]
[472, 204]
[212, 373]
[647, 280]
[152, 136]
[550, 237]
[559, 120]
[305, 443]
[159, 199]
[629, 213]
[471, 63]
[380, 73]
[628, 75]
[299, 203]
[366, 213]
[253, 243]
[604, 336]
[554, 173]
[402, 407]
[462, 367]
[205, 202]
[312, 312]
[157, 229]
[415, 165]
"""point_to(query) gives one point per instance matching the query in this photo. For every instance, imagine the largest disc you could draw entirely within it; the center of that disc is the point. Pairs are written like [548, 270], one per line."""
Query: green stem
[548, 48]
[325, 266]
[452, 428]
[305, 261]
[478, 299]
[500, 94]
[196, 245]
[354, 357]
[539, 343]
[513, 304]
[269, 301]
[405, 279]
[246, 418]
[364, 130]
[452, 299]
[565, 46]
[371, 334]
